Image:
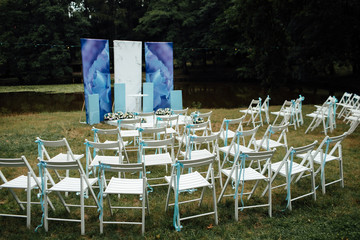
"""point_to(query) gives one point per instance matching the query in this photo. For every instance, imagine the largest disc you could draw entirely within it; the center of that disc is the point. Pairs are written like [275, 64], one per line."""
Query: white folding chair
[77, 185]
[128, 130]
[198, 117]
[27, 183]
[345, 102]
[289, 112]
[171, 122]
[274, 137]
[254, 110]
[265, 108]
[112, 136]
[243, 141]
[92, 161]
[201, 147]
[325, 114]
[239, 173]
[123, 186]
[184, 119]
[228, 128]
[330, 149]
[157, 153]
[188, 182]
[189, 130]
[47, 150]
[289, 168]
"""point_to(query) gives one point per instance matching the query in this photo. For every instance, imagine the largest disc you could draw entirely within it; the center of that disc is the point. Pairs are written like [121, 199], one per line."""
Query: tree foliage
[270, 41]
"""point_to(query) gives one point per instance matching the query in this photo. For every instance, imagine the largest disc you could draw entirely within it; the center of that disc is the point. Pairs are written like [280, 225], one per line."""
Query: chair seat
[248, 111]
[106, 159]
[108, 141]
[318, 159]
[20, 183]
[189, 181]
[282, 113]
[69, 184]
[296, 168]
[125, 186]
[129, 133]
[158, 159]
[317, 115]
[65, 157]
[249, 174]
[196, 154]
[233, 150]
[272, 144]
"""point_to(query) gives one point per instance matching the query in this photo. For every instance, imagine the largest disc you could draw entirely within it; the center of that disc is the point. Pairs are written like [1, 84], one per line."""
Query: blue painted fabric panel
[96, 73]
[159, 70]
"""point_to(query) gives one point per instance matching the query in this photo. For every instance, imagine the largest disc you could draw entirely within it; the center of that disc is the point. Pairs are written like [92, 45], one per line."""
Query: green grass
[335, 215]
[59, 88]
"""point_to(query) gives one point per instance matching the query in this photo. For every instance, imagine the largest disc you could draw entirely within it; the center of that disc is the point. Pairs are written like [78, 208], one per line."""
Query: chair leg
[143, 214]
[28, 202]
[270, 199]
[341, 173]
[215, 205]
[323, 181]
[313, 185]
[82, 208]
[167, 197]
[102, 217]
[46, 226]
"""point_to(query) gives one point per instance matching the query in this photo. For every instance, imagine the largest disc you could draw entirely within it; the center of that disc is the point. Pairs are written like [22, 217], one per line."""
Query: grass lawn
[335, 215]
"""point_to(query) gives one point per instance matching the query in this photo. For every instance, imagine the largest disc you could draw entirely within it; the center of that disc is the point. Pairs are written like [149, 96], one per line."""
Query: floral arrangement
[118, 115]
[195, 118]
[165, 111]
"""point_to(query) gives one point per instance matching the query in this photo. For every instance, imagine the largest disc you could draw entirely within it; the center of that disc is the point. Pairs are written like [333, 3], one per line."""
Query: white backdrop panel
[127, 69]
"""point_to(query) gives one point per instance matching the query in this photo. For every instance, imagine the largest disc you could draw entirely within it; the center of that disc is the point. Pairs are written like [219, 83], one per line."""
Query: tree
[36, 37]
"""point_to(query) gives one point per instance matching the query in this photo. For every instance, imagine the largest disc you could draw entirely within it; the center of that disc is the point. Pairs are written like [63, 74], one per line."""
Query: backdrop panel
[159, 71]
[96, 73]
[127, 69]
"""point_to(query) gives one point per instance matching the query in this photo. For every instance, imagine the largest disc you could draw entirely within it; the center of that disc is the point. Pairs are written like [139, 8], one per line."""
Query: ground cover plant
[335, 215]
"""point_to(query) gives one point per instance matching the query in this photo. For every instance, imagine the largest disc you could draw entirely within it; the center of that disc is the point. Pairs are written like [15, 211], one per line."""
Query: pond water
[199, 95]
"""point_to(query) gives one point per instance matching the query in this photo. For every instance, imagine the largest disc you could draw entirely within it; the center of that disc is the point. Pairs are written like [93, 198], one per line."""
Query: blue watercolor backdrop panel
[160, 71]
[96, 72]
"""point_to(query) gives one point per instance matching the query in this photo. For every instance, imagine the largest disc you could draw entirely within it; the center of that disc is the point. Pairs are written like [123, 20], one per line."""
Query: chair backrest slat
[61, 165]
[305, 149]
[197, 162]
[57, 143]
[129, 167]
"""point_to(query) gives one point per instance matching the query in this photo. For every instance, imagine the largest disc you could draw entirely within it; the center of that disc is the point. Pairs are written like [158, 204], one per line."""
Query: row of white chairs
[191, 154]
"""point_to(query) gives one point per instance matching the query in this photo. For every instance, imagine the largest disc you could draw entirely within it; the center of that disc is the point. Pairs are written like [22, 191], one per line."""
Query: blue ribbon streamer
[268, 140]
[324, 162]
[268, 103]
[176, 217]
[40, 144]
[292, 112]
[95, 139]
[334, 110]
[100, 195]
[42, 167]
[260, 109]
[242, 171]
[88, 145]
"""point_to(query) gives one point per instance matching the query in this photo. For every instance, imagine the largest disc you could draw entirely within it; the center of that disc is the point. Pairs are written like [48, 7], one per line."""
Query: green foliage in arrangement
[334, 215]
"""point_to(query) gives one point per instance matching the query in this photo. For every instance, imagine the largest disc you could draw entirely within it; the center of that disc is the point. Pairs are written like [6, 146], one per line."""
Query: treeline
[269, 41]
